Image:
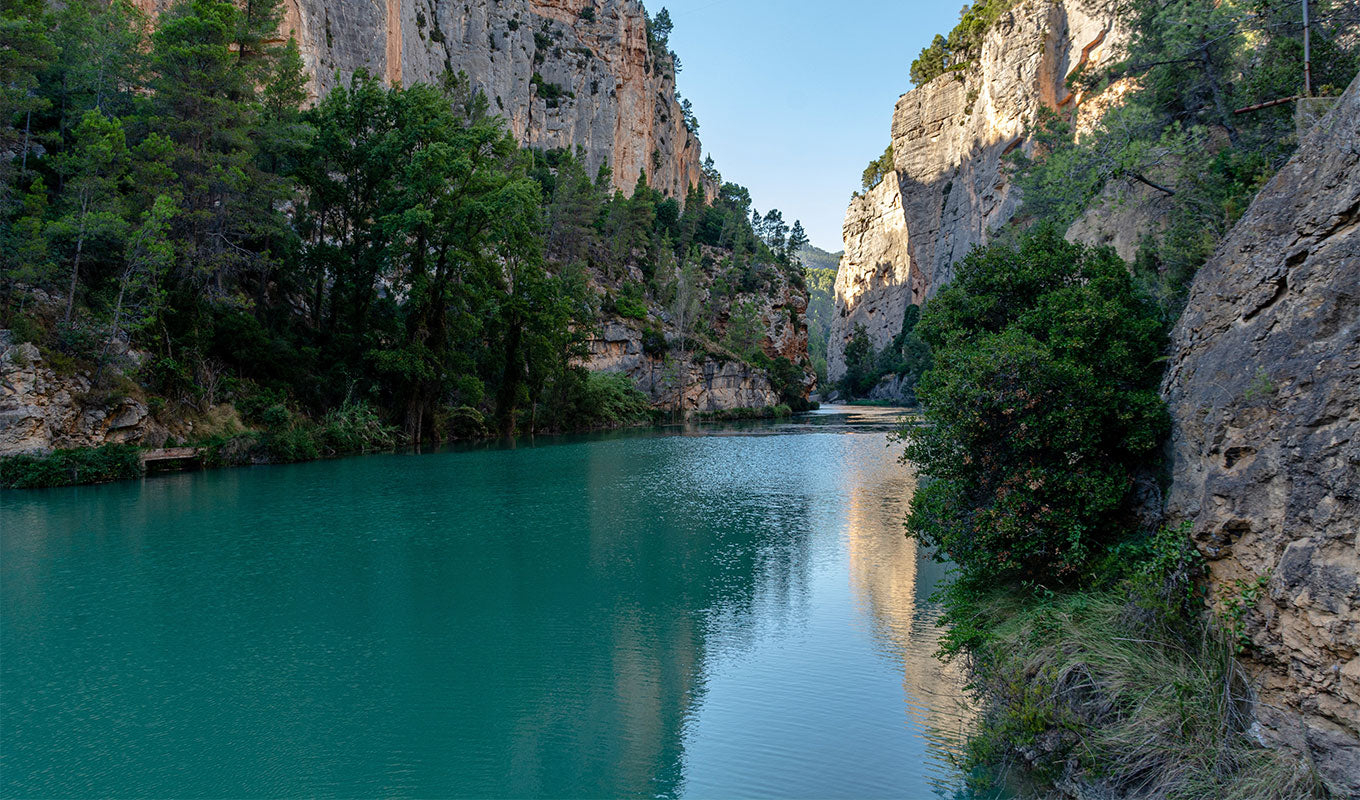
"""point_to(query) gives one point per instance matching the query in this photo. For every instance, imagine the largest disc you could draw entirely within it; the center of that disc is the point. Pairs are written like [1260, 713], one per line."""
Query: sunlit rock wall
[621, 105]
[950, 138]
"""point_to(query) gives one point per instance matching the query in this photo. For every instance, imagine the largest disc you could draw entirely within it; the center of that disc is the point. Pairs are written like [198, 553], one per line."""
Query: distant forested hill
[817, 258]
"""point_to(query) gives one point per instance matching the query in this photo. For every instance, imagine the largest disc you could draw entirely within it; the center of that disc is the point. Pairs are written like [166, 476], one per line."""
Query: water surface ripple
[707, 612]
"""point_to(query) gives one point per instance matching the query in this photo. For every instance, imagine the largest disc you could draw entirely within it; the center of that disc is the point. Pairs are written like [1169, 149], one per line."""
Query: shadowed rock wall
[1264, 391]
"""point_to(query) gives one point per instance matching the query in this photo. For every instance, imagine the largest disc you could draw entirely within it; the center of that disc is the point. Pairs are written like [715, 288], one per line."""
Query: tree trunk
[1220, 104]
[75, 269]
[510, 380]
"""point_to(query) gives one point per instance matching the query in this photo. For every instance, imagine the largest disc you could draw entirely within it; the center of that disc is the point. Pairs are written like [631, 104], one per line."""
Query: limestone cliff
[41, 409]
[598, 84]
[950, 189]
[1264, 391]
[708, 377]
[874, 282]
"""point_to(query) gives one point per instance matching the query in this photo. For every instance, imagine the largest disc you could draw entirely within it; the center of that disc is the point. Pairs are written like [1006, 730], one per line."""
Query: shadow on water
[725, 609]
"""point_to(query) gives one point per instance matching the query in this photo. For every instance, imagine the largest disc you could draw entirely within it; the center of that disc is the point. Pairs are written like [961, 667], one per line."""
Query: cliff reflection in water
[893, 580]
[658, 615]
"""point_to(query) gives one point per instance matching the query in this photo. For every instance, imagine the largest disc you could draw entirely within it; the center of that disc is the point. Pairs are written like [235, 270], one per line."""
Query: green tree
[456, 234]
[877, 169]
[205, 102]
[686, 299]
[141, 292]
[102, 60]
[860, 364]
[745, 330]
[798, 239]
[93, 171]
[1040, 405]
[572, 212]
[27, 49]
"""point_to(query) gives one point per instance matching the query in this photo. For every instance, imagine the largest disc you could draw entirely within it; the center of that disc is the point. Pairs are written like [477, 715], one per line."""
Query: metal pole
[1307, 56]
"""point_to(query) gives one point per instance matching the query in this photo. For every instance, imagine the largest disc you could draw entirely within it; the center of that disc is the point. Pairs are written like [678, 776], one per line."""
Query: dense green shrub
[355, 428]
[550, 93]
[1040, 406]
[111, 462]
[607, 400]
[352, 428]
[461, 422]
[786, 378]
[631, 301]
[736, 414]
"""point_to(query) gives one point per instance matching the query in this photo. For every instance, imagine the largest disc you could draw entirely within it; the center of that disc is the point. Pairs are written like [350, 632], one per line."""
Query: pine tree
[797, 241]
[93, 171]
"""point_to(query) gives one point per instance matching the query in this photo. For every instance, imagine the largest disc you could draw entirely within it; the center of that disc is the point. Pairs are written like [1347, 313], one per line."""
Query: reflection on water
[709, 611]
[893, 582]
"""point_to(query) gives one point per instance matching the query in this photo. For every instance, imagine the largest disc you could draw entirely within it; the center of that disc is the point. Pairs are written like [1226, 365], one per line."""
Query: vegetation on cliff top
[877, 169]
[389, 247]
[961, 48]
[1175, 143]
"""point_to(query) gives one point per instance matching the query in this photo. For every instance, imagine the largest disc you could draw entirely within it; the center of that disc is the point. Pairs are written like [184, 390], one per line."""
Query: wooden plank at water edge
[172, 458]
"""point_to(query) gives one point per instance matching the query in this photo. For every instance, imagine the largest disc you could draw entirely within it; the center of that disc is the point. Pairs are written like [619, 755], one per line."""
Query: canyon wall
[1264, 392]
[613, 98]
[708, 378]
[950, 189]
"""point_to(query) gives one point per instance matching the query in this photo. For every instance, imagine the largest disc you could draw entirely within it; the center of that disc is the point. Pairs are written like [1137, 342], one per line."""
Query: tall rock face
[598, 86]
[876, 291]
[949, 139]
[1264, 391]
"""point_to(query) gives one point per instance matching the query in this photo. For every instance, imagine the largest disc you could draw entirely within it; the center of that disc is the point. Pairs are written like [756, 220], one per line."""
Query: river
[713, 611]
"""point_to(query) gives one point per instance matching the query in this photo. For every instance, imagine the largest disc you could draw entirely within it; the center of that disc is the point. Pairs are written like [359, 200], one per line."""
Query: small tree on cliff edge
[1040, 405]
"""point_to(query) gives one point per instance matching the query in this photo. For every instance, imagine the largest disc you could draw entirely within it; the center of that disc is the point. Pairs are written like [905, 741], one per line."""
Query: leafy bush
[551, 93]
[608, 399]
[654, 341]
[355, 428]
[112, 462]
[631, 301]
[1040, 405]
[787, 379]
[461, 422]
[734, 414]
[26, 329]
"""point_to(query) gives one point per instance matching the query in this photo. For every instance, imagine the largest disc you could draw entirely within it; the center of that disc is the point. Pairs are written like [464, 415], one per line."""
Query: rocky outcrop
[562, 73]
[42, 410]
[950, 138]
[698, 375]
[684, 385]
[1264, 391]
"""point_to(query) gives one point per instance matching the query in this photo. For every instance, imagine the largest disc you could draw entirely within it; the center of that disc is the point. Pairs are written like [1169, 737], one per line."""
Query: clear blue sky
[795, 97]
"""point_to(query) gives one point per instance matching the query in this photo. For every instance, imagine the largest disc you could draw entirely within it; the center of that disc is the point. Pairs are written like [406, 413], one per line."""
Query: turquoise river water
[703, 612]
